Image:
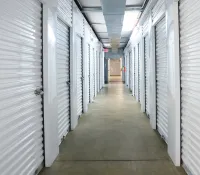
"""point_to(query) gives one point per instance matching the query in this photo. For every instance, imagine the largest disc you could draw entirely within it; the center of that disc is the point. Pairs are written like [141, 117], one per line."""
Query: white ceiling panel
[105, 40]
[107, 45]
[122, 45]
[100, 27]
[135, 2]
[124, 39]
[126, 34]
[95, 17]
[103, 35]
[113, 22]
[90, 3]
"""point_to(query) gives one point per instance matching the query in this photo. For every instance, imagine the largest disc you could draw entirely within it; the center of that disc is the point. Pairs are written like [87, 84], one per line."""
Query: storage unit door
[92, 74]
[146, 68]
[136, 73]
[190, 84]
[79, 80]
[97, 72]
[161, 79]
[63, 78]
[89, 89]
[21, 85]
[130, 71]
[139, 86]
[128, 74]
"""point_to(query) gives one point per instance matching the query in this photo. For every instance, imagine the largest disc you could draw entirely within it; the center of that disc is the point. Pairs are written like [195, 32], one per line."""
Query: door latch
[68, 83]
[38, 92]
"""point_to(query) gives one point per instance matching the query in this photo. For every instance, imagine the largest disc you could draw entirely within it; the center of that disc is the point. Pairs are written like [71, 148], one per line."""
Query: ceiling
[111, 20]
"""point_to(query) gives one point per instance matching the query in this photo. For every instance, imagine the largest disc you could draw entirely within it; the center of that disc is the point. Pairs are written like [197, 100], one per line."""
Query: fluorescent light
[130, 19]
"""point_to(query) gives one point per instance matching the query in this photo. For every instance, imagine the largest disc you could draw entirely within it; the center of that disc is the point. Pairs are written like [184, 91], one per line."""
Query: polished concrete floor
[113, 138]
[115, 79]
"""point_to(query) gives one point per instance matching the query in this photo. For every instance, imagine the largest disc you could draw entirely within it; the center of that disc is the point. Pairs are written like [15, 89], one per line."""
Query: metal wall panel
[79, 21]
[146, 72]
[139, 77]
[21, 109]
[190, 83]
[136, 72]
[79, 57]
[161, 79]
[146, 25]
[65, 11]
[63, 78]
[89, 72]
[158, 10]
[94, 72]
[97, 72]
[127, 70]
[130, 71]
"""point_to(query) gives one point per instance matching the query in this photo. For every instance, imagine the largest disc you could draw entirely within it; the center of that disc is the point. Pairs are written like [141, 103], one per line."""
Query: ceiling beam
[81, 9]
[99, 9]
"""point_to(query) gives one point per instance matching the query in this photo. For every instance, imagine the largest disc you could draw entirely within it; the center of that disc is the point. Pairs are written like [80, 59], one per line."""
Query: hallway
[113, 138]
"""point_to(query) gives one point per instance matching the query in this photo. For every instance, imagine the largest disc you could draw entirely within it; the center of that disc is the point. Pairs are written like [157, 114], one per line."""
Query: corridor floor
[113, 138]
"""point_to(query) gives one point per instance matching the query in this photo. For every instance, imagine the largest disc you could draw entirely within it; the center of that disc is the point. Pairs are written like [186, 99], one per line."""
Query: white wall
[174, 130]
[49, 72]
[170, 10]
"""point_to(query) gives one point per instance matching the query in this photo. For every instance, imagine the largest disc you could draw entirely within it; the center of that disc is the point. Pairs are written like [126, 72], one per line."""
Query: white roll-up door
[97, 71]
[92, 75]
[136, 72]
[127, 65]
[89, 79]
[79, 56]
[21, 85]
[146, 72]
[161, 79]
[130, 71]
[190, 84]
[139, 78]
[63, 78]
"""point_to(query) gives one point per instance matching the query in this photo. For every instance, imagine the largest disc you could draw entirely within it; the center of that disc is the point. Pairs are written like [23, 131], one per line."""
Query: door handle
[38, 92]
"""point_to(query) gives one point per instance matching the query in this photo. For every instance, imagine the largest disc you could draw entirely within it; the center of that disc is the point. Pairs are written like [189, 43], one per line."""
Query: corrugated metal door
[97, 72]
[134, 76]
[136, 72]
[63, 78]
[139, 73]
[161, 79]
[92, 74]
[190, 84]
[79, 55]
[21, 85]
[130, 71]
[127, 65]
[146, 68]
[89, 74]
